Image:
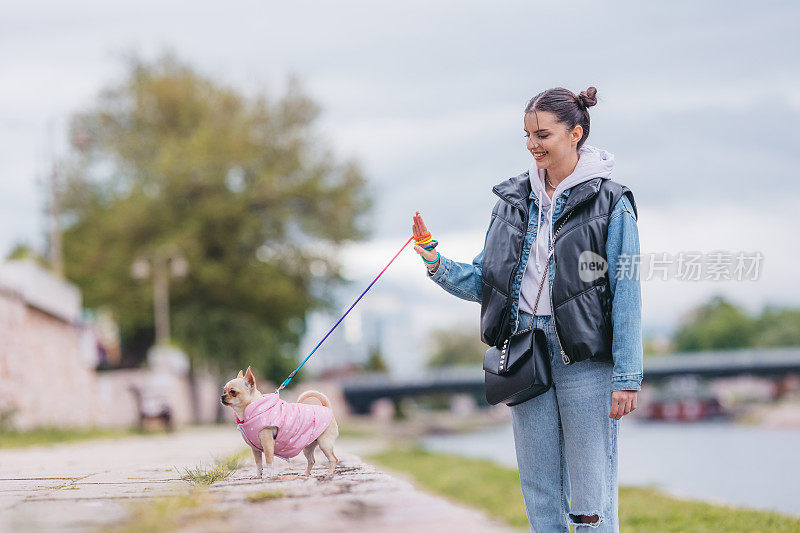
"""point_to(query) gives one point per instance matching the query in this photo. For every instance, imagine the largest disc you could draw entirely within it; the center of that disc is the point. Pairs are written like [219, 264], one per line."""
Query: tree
[717, 325]
[375, 362]
[25, 251]
[778, 327]
[242, 186]
[455, 347]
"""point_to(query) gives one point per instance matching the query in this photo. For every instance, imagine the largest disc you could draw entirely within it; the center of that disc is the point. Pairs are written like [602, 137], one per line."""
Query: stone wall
[46, 381]
[43, 379]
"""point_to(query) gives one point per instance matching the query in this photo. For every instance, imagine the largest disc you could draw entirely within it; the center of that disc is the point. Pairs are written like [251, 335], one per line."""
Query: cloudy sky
[698, 101]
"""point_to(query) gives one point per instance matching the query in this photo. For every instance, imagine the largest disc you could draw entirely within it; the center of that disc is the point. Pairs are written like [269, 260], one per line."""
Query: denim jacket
[464, 281]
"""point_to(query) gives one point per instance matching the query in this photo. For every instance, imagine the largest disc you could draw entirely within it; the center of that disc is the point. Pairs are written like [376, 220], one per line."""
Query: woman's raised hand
[419, 229]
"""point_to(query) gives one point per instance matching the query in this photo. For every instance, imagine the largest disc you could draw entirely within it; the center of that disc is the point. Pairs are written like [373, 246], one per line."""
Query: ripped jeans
[567, 445]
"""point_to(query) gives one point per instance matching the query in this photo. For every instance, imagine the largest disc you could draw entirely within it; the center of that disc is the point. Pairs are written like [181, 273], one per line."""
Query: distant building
[44, 377]
[48, 360]
[382, 319]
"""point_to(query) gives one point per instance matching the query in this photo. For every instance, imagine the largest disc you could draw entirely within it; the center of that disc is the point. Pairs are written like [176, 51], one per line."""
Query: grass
[164, 514]
[355, 432]
[478, 483]
[650, 509]
[264, 495]
[168, 513]
[221, 469]
[54, 435]
[495, 489]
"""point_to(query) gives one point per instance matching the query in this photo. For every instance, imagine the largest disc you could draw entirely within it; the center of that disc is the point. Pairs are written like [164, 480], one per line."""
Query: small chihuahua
[272, 426]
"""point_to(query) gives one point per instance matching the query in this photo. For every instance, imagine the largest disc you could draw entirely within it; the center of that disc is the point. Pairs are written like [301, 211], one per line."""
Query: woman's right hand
[419, 229]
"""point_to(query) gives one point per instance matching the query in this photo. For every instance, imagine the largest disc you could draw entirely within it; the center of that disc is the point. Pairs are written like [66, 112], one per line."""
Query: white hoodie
[592, 163]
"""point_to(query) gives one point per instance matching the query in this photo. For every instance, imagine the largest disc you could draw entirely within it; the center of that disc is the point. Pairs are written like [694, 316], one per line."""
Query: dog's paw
[257, 476]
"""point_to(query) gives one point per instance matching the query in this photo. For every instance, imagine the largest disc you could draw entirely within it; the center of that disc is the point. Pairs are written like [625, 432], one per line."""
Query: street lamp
[164, 260]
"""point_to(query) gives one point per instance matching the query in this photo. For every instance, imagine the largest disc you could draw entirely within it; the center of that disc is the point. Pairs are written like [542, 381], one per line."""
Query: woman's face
[548, 140]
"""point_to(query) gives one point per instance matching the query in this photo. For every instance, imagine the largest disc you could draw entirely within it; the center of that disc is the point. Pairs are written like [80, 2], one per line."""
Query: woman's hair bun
[587, 98]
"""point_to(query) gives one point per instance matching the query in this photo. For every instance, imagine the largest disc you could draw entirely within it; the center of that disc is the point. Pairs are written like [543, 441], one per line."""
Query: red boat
[684, 409]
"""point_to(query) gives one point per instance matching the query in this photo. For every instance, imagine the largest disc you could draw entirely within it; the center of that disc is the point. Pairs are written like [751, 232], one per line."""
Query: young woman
[589, 308]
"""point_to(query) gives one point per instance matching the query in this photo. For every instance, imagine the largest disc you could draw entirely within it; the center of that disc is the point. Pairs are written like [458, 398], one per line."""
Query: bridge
[361, 391]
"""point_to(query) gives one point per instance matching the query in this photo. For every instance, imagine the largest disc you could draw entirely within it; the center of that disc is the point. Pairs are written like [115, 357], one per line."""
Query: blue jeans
[566, 444]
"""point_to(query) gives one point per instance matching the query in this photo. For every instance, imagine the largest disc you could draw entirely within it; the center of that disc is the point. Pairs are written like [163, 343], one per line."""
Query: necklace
[547, 179]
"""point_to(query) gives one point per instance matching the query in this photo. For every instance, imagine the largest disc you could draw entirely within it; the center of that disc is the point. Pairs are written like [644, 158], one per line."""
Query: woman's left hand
[622, 403]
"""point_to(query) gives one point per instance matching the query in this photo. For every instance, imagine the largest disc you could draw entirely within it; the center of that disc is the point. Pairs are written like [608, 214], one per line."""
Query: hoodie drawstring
[538, 232]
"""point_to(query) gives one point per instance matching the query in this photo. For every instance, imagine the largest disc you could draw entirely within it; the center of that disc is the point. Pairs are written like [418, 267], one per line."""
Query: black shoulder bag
[520, 370]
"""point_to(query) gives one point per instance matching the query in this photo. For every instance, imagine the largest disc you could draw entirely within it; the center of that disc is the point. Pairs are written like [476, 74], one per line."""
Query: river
[718, 462]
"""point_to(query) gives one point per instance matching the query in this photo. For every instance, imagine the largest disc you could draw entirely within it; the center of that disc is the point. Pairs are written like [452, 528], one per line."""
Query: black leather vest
[581, 309]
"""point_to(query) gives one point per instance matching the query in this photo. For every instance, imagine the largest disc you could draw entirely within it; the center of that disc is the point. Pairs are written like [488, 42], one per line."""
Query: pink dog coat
[298, 423]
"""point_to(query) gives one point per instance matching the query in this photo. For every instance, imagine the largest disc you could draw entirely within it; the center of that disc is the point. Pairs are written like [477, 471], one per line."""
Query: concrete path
[87, 486]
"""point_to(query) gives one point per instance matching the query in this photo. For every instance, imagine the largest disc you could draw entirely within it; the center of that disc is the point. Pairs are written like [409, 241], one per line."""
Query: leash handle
[288, 379]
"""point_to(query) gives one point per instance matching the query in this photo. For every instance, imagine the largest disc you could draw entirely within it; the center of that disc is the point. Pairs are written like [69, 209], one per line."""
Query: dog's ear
[249, 377]
[240, 374]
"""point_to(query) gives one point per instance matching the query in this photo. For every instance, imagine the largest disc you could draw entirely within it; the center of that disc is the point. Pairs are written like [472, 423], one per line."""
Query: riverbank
[706, 467]
[495, 489]
[705, 461]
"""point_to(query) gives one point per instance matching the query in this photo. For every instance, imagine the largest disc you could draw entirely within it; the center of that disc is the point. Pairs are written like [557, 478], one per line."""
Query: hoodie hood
[592, 163]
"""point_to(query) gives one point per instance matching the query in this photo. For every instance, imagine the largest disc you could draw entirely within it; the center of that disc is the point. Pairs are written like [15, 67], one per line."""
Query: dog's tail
[315, 394]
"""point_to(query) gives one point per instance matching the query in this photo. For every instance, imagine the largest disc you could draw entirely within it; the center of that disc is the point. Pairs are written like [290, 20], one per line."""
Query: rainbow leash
[287, 380]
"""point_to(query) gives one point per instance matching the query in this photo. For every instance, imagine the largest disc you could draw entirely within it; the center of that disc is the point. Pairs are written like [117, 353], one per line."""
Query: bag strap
[546, 267]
